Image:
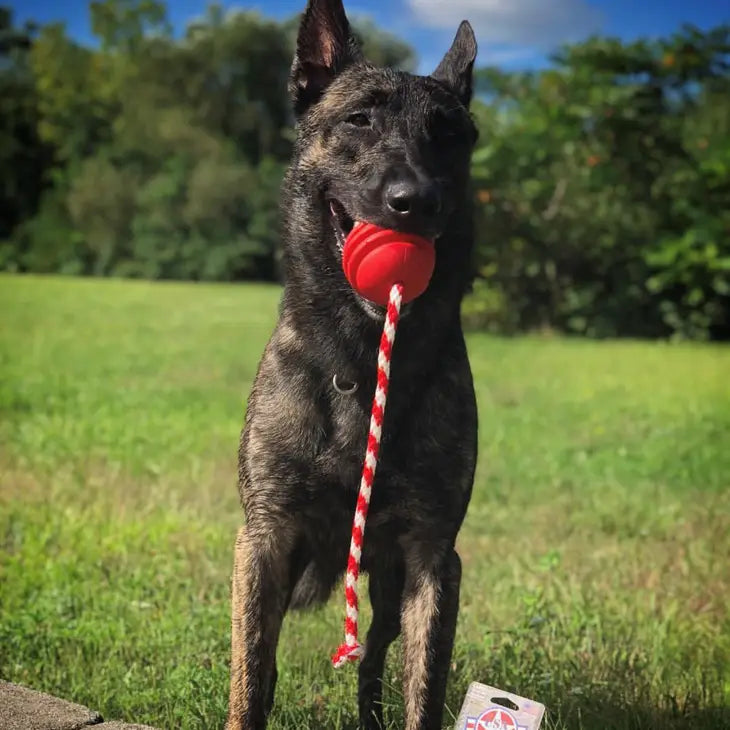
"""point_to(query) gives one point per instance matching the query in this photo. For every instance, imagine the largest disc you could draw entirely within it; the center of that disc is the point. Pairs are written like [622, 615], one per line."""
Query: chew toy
[376, 258]
[387, 268]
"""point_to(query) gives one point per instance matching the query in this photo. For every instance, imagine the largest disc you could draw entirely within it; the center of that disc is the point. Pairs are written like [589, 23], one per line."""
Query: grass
[596, 571]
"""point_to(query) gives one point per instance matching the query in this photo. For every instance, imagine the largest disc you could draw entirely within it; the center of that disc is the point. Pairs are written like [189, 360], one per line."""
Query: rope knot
[346, 653]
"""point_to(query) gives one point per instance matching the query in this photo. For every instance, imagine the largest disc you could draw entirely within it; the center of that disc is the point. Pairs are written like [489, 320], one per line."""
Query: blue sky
[511, 33]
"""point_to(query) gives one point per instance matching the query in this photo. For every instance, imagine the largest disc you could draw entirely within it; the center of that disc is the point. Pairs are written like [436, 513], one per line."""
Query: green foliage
[603, 188]
[23, 157]
[47, 242]
[121, 25]
[166, 156]
[211, 220]
[595, 571]
[73, 98]
[602, 184]
[101, 203]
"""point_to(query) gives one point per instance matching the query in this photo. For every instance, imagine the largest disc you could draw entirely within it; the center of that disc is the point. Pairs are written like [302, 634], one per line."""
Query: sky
[515, 34]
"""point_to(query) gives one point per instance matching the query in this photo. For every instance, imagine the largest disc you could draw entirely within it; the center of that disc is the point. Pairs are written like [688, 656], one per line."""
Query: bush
[603, 190]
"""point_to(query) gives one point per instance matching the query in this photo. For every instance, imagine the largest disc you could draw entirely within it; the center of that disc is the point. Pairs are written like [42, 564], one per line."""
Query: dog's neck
[325, 312]
[321, 307]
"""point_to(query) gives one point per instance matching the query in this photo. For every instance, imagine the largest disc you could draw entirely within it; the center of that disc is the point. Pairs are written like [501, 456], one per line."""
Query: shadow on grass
[597, 711]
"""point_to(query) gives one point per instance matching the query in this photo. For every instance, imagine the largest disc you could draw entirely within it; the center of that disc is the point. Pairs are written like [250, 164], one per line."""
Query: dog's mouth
[342, 222]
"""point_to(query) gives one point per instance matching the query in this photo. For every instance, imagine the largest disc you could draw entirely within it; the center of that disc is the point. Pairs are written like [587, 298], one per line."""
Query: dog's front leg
[430, 607]
[260, 591]
[386, 588]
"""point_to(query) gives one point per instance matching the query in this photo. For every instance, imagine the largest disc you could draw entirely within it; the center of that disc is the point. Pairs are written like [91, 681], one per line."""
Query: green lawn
[596, 569]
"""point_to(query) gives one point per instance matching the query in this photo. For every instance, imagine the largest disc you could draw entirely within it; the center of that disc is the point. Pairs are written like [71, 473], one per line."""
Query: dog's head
[375, 144]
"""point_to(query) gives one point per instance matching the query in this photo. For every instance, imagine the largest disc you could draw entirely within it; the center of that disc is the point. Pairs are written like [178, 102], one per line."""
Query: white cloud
[519, 23]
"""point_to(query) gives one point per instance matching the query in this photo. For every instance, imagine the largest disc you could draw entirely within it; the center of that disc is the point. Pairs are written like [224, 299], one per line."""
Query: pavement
[25, 709]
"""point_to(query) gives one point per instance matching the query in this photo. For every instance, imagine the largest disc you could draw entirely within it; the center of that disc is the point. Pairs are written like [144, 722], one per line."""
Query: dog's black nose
[412, 199]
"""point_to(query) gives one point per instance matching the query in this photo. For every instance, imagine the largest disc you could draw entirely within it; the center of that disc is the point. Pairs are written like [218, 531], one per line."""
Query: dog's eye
[359, 119]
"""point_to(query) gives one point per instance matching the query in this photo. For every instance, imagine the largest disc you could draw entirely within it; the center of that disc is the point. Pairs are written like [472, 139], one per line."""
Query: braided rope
[351, 650]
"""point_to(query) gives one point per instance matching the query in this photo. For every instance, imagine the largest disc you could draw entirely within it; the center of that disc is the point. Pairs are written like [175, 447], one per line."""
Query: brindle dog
[393, 149]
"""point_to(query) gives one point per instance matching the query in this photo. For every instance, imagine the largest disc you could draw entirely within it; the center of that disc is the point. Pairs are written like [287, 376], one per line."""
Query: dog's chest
[343, 446]
[340, 458]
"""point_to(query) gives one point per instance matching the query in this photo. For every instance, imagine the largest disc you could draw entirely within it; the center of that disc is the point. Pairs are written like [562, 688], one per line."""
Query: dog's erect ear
[325, 47]
[455, 69]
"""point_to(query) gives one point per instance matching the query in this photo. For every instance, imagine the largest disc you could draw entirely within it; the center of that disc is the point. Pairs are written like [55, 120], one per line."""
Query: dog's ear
[455, 69]
[325, 46]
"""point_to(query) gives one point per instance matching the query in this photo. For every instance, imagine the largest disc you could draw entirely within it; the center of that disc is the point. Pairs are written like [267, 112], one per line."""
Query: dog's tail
[314, 586]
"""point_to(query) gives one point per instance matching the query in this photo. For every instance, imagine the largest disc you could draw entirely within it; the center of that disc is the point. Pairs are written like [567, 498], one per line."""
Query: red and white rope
[350, 649]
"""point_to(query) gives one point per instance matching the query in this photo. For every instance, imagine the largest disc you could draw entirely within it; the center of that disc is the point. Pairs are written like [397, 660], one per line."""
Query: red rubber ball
[376, 258]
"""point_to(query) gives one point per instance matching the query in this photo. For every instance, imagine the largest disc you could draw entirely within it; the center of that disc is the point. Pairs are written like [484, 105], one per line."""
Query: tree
[590, 187]
[75, 112]
[23, 157]
[101, 202]
[602, 183]
[121, 25]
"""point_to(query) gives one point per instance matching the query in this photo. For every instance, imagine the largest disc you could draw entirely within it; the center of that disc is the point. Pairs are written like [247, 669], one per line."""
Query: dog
[393, 149]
